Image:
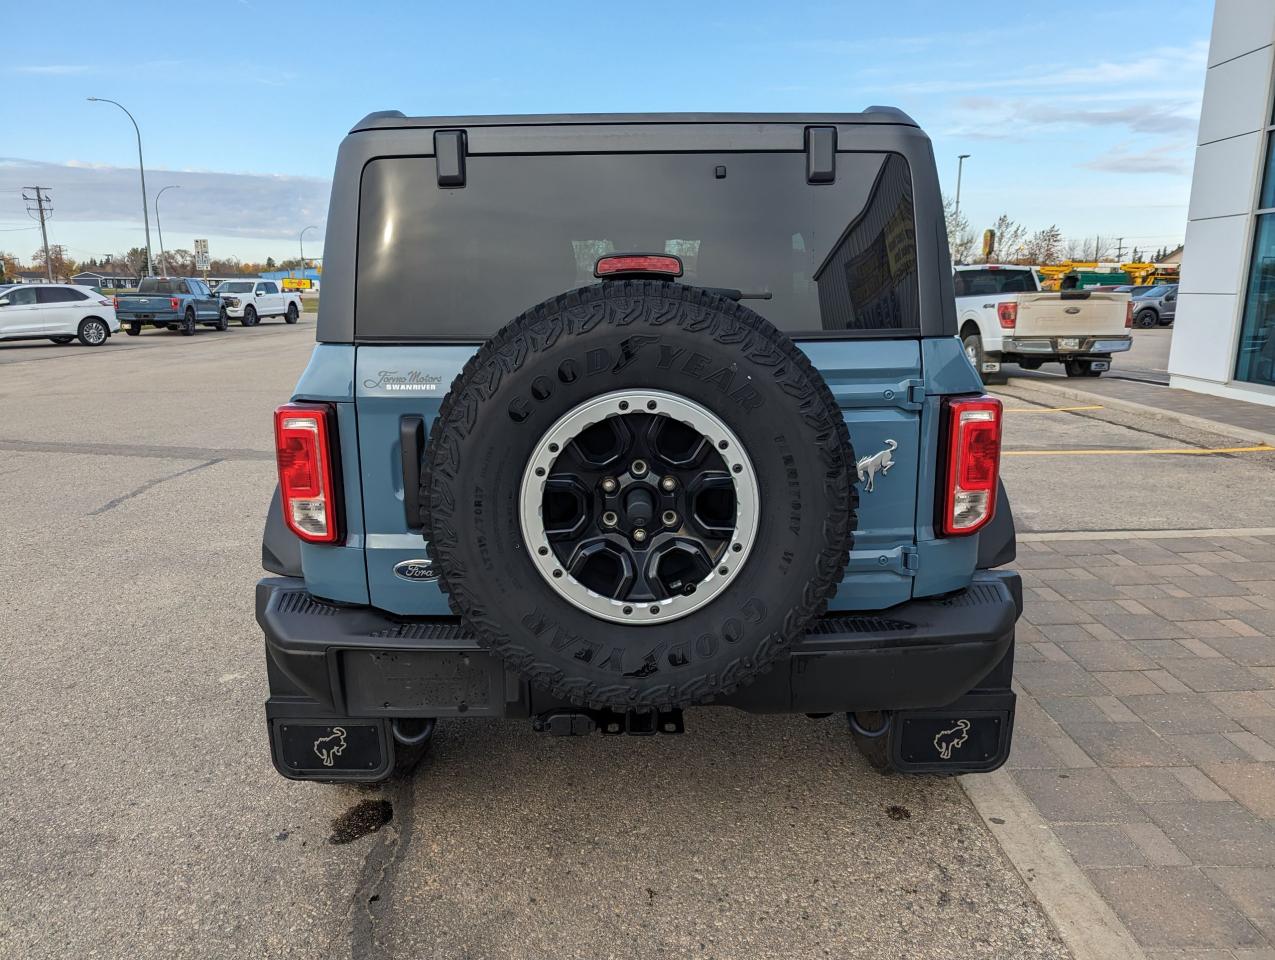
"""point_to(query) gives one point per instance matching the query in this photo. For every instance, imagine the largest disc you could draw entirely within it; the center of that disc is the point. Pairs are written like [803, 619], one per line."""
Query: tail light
[115, 302]
[303, 434]
[1128, 315]
[973, 464]
[658, 263]
[1007, 314]
[172, 302]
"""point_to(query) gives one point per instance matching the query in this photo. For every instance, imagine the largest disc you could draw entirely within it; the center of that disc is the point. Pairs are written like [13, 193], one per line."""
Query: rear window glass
[155, 285]
[993, 282]
[457, 264]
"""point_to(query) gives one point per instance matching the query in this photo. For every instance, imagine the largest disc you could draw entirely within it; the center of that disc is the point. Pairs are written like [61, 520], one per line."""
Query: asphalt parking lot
[142, 816]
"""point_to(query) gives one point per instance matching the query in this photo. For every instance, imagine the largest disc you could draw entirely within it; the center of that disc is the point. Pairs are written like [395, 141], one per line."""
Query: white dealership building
[1224, 334]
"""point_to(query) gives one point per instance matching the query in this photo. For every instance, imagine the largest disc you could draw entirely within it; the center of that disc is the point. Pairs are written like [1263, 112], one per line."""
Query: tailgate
[140, 304]
[1071, 313]
[877, 383]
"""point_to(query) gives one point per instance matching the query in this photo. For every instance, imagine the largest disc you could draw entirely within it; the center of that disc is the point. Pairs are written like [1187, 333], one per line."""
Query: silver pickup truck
[1003, 316]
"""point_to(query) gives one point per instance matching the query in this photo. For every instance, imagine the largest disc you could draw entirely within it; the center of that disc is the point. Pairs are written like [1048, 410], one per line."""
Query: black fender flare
[280, 547]
[997, 542]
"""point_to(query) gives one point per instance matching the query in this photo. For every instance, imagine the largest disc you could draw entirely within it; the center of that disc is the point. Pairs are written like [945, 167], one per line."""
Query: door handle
[411, 435]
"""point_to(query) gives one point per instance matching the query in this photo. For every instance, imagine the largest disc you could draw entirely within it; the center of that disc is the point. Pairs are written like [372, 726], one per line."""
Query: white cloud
[247, 205]
[1165, 158]
[52, 69]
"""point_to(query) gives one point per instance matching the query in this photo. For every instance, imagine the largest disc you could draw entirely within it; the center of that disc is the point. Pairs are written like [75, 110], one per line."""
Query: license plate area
[423, 683]
[1068, 343]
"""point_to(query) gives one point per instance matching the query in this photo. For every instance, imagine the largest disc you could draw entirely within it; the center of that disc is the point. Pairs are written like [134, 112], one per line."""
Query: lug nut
[639, 534]
[669, 518]
[609, 519]
[609, 485]
[638, 468]
[668, 483]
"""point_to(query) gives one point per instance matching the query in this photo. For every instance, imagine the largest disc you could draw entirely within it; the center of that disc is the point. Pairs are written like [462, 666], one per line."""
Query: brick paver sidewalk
[1146, 731]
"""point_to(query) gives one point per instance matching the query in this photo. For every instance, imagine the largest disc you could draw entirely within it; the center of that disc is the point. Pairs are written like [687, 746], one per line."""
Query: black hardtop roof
[394, 119]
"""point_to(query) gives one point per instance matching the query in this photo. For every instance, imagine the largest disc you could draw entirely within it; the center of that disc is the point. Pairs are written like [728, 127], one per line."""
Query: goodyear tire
[690, 350]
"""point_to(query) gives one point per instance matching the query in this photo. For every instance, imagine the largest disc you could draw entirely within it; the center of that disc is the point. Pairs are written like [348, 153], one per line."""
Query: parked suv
[613, 416]
[249, 300]
[60, 312]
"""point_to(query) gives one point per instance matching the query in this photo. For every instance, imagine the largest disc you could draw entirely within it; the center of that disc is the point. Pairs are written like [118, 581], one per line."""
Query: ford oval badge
[415, 570]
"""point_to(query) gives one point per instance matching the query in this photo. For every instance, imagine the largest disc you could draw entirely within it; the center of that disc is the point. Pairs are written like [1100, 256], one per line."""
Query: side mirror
[4, 301]
[261, 293]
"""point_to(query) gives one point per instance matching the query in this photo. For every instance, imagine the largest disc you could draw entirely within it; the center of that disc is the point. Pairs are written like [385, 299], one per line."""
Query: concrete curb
[1206, 533]
[1087, 925]
[1132, 406]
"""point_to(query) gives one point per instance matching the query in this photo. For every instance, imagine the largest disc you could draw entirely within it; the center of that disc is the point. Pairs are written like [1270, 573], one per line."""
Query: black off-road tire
[249, 318]
[188, 324]
[639, 335]
[133, 330]
[292, 315]
[223, 320]
[1146, 319]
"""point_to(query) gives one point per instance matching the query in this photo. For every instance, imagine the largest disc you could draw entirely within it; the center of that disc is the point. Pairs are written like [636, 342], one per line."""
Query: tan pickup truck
[1004, 317]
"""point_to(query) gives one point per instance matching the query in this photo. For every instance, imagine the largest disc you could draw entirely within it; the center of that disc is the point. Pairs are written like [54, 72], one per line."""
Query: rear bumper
[1065, 346]
[332, 661]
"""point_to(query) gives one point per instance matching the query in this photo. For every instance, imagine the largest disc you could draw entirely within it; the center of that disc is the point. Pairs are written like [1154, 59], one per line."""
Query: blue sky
[1084, 120]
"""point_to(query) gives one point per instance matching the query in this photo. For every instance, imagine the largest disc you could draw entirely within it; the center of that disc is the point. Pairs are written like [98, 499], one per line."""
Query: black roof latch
[821, 154]
[449, 154]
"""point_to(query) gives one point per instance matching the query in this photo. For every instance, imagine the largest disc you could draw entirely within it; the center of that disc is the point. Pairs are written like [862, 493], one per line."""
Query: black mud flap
[970, 736]
[328, 749]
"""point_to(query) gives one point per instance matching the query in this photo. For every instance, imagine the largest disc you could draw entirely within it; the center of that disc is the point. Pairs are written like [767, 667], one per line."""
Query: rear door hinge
[902, 560]
[916, 393]
[911, 559]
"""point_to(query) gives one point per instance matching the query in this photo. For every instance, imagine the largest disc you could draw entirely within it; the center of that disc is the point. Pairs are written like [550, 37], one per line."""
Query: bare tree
[1008, 241]
[960, 238]
[1044, 246]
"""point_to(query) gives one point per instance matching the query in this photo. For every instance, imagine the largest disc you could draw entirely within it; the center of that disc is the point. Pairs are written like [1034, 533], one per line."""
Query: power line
[40, 200]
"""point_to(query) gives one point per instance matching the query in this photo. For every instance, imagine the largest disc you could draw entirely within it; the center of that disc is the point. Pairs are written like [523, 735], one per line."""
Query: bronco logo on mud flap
[330, 747]
[945, 741]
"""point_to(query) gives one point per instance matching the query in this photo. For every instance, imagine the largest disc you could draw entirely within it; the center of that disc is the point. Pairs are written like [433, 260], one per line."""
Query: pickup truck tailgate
[1071, 313]
[136, 303]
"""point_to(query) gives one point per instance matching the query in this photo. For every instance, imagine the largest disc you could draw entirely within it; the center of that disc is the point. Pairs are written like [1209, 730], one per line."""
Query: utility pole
[163, 259]
[141, 169]
[960, 168]
[301, 244]
[1119, 249]
[40, 200]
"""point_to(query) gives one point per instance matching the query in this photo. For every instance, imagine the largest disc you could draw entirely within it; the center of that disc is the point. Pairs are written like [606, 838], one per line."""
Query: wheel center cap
[639, 505]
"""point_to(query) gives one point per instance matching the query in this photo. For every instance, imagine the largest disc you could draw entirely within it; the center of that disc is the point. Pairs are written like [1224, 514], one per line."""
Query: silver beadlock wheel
[647, 516]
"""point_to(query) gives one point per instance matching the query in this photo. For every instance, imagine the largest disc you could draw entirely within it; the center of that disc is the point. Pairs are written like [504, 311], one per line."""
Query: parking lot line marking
[1093, 406]
[1188, 451]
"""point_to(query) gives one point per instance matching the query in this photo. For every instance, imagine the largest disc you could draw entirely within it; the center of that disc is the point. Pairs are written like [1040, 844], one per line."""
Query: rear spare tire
[638, 493]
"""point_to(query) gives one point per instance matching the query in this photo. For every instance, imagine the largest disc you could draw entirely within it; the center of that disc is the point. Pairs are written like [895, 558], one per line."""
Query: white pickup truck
[249, 300]
[1004, 317]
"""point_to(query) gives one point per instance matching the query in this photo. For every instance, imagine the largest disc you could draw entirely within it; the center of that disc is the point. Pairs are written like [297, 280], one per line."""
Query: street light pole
[163, 257]
[960, 168]
[141, 168]
[301, 243]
